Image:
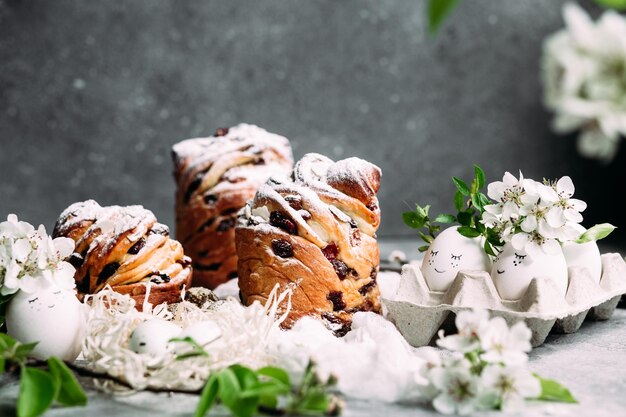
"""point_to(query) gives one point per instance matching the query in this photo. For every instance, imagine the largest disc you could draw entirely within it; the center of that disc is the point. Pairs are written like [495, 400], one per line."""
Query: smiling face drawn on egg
[513, 270]
[45, 300]
[450, 253]
[518, 260]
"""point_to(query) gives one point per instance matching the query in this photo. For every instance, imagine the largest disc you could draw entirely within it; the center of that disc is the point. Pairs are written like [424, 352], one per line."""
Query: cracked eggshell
[586, 255]
[513, 270]
[153, 336]
[450, 253]
[53, 317]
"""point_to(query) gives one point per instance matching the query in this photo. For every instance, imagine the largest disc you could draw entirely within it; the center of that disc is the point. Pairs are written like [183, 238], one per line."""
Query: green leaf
[461, 186]
[22, 351]
[480, 176]
[595, 233]
[422, 211]
[269, 403]
[232, 380]
[484, 200]
[208, 396]
[70, 391]
[266, 389]
[423, 248]
[477, 203]
[479, 226]
[244, 407]
[195, 349]
[552, 390]
[613, 4]
[315, 401]
[464, 218]
[247, 377]
[6, 342]
[468, 231]
[229, 387]
[438, 11]
[2, 365]
[445, 218]
[37, 392]
[489, 249]
[413, 220]
[426, 238]
[458, 201]
[275, 373]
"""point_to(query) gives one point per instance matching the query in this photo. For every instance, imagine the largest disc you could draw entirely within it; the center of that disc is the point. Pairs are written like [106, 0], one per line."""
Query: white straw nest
[245, 332]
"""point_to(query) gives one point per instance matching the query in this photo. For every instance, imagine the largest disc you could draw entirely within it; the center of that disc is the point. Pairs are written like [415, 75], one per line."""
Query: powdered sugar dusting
[239, 136]
[314, 176]
[246, 154]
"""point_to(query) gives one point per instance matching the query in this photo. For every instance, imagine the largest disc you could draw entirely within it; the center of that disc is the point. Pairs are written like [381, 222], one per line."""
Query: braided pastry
[317, 231]
[216, 176]
[125, 248]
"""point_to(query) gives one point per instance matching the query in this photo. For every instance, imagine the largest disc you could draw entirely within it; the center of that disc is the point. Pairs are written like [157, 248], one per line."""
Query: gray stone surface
[93, 94]
[590, 363]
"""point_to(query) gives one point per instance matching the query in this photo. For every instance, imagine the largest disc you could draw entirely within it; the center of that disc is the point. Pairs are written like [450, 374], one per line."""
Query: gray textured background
[93, 94]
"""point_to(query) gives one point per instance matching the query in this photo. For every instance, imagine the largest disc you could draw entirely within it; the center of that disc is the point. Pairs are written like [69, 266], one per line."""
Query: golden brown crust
[126, 248]
[215, 178]
[169, 292]
[316, 237]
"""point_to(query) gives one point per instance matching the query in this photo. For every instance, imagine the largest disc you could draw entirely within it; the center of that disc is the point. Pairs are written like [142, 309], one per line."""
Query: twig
[86, 372]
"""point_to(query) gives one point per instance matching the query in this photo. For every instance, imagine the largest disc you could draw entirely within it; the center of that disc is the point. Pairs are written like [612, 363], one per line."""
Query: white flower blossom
[583, 71]
[505, 345]
[31, 260]
[458, 390]
[534, 244]
[491, 375]
[469, 325]
[509, 195]
[535, 217]
[565, 208]
[509, 386]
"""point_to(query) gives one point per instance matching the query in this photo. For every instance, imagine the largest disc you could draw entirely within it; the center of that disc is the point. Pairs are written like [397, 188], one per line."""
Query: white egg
[153, 336]
[450, 253]
[513, 270]
[585, 255]
[203, 332]
[53, 317]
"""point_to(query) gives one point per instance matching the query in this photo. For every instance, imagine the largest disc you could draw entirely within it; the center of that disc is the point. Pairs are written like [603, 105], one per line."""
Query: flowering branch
[583, 76]
[31, 260]
[487, 370]
[534, 216]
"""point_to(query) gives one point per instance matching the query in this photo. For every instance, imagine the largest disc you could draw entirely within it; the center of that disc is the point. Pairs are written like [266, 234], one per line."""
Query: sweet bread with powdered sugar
[126, 248]
[316, 232]
[215, 177]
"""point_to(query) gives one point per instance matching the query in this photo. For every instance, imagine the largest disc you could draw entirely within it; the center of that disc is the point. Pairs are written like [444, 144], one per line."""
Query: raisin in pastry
[215, 178]
[317, 231]
[125, 248]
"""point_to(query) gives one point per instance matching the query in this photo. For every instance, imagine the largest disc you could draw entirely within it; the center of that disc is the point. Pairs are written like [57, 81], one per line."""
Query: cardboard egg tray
[419, 313]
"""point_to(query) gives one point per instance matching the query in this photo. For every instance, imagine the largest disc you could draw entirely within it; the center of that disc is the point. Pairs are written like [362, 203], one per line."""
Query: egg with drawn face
[513, 270]
[586, 255]
[53, 317]
[450, 253]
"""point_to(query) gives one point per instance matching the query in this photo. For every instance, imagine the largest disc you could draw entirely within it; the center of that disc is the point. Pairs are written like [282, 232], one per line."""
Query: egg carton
[419, 313]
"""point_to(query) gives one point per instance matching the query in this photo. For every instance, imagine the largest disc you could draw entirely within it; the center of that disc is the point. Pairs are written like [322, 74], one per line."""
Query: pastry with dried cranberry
[317, 233]
[215, 177]
[126, 248]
